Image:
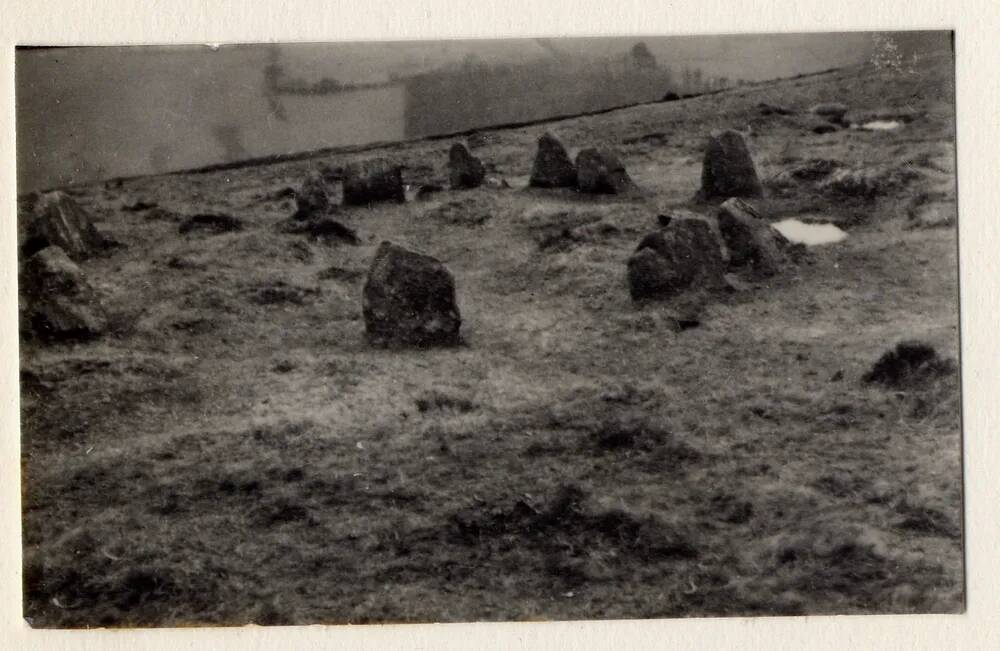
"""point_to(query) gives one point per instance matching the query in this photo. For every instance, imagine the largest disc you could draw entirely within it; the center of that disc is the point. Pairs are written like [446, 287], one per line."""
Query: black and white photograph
[489, 330]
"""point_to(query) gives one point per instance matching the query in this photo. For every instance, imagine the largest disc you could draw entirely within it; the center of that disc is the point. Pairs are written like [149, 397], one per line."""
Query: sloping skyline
[89, 113]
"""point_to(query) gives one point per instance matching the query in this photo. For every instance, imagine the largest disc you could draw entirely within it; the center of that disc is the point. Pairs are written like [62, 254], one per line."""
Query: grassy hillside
[233, 451]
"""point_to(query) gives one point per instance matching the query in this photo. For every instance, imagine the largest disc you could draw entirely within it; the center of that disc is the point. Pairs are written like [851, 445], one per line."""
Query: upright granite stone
[312, 199]
[552, 168]
[409, 299]
[57, 220]
[600, 171]
[751, 241]
[686, 255]
[465, 171]
[372, 181]
[728, 170]
[58, 301]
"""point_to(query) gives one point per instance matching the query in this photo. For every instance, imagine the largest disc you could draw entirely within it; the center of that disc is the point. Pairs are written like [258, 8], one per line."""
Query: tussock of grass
[210, 223]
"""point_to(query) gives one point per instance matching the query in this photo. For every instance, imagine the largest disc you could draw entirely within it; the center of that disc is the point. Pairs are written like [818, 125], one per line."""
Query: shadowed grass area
[233, 451]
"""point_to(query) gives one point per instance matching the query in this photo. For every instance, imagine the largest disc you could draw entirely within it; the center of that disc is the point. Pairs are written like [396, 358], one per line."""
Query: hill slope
[235, 452]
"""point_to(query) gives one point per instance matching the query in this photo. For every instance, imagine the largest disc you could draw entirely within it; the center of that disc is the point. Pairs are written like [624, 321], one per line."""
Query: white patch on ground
[881, 125]
[809, 234]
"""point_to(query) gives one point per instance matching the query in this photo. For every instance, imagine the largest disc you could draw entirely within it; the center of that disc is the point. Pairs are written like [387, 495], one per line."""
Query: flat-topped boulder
[371, 181]
[752, 242]
[600, 171]
[683, 256]
[58, 301]
[465, 171]
[409, 300]
[728, 169]
[553, 167]
[57, 220]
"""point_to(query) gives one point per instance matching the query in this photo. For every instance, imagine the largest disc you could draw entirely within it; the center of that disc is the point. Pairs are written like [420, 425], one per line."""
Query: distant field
[90, 113]
[235, 452]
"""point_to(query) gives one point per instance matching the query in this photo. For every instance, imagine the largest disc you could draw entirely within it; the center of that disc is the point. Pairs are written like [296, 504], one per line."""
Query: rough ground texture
[235, 451]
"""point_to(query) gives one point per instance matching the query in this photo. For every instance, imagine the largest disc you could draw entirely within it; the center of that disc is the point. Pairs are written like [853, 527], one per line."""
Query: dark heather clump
[567, 519]
[428, 190]
[751, 241]
[728, 170]
[772, 109]
[465, 171]
[552, 168]
[684, 255]
[324, 229]
[814, 169]
[910, 363]
[823, 127]
[409, 299]
[58, 302]
[139, 206]
[57, 220]
[832, 111]
[372, 181]
[600, 171]
[214, 223]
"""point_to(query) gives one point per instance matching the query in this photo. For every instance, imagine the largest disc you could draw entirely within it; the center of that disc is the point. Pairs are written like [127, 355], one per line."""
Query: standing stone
[751, 241]
[650, 276]
[465, 170]
[58, 302]
[312, 199]
[57, 220]
[600, 171]
[409, 299]
[552, 168]
[728, 169]
[373, 180]
[684, 255]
